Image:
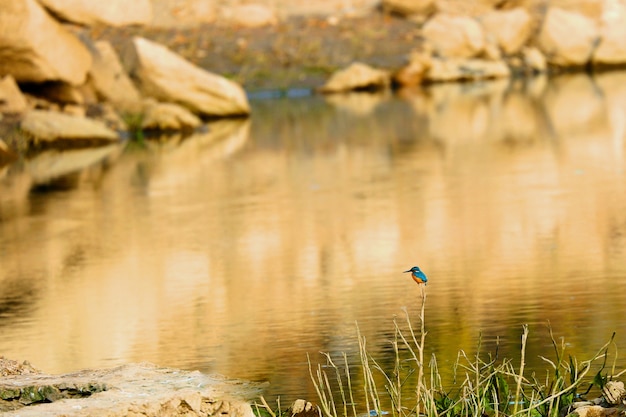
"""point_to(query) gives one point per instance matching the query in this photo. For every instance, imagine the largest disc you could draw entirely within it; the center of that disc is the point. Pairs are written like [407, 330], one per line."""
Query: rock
[593, 9]
[189, 13]
[109, 79]
[251, 15]
[413, 73]
[467, 8]
[110, 12]
[74, 110]
[534, 59]
[492, 50]
[511, 29]
[614, 392]
[567, 38]
[49, 126]
[357, 76]
[131, 390]
[11, 98]
[168, 116]
[596, 411]
[303, 408]
[454, 36]
[35, 48]
[409, 7]
[612, 47]
[443, 70]
[167, 77]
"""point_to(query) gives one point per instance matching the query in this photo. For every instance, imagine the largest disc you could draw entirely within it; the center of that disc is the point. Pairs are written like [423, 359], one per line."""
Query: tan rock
[597, 411]
[110, 12]
[11, 98]
[74, 110]
[357, 76]
[612, 47]
[466, 7]
[492, 51]
[593, 9]
[50, 126]
[454, 36]
[251, 15]
[511, 29]
[457, 69]
[109, 79]
[167, 77]
[189, 13]
[413, 73]
[35, 48]
[567, 38]
[409, 7]
[167, 116]
[303, 408]
[614, 392]
[534, 59]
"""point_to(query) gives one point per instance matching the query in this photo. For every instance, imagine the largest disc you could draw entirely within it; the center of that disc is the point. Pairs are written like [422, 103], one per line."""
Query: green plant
[134, 121]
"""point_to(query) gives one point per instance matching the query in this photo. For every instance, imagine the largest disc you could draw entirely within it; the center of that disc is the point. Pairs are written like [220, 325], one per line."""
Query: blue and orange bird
[417, 275]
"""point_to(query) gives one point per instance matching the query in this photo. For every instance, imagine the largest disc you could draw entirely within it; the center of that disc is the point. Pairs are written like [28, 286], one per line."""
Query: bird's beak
[407, 271]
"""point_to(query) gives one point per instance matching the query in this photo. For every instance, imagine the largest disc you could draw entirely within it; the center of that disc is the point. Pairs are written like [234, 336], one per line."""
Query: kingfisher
[417, 275]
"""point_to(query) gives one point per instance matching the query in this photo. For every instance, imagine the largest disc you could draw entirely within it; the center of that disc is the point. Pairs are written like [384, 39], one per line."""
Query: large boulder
[109, 12]
[509, 28]
[167, 77]
[612, 47]
[454, 36]
[109, 79]
[48, 126]
[567, 38]
[35, 48]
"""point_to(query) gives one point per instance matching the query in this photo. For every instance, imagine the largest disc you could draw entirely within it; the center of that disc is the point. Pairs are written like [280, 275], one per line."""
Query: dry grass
[483, 387]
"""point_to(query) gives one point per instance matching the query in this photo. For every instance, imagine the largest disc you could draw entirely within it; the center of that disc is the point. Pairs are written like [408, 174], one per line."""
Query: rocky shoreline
[147, 390]
[135, 389]
[70, 76]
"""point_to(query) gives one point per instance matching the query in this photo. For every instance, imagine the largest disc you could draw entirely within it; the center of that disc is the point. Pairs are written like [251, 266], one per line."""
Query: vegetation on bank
[485, 385]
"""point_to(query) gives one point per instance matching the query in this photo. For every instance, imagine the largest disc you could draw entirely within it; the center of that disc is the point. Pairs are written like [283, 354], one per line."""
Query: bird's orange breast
[417, 279]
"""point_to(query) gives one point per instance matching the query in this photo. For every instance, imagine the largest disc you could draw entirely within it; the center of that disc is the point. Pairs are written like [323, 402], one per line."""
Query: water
[241, 250]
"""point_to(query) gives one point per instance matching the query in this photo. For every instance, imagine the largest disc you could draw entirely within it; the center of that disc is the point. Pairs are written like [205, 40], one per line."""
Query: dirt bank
[300, 51]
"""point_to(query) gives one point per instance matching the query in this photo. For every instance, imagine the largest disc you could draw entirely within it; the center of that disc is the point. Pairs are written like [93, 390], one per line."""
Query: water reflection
[245, 247]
